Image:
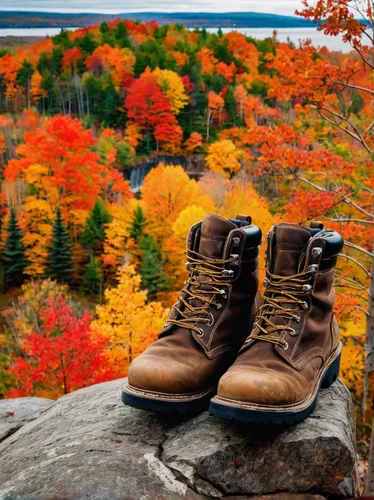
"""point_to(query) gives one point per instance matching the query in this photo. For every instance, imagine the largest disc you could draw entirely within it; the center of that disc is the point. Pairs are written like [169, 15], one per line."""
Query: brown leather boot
[294, 347]
[207, 326]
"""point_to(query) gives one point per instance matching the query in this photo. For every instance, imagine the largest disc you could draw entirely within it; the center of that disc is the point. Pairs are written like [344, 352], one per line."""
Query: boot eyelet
[218, 306]
[293, 332]
[307, 288]
[316, 252]
[223, 293]
[305, 305]
[285, 345]
[227, 273]
[297, 319]
[200, 333]
[235, 259]
[211, 321]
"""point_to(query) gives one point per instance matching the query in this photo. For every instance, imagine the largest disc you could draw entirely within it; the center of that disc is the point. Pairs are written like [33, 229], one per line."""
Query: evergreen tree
[231, 105]
[60, 261]
[138, 224]
[92, 278]
[121, 35]
[94, 230]
[153, 278]
[13, 257]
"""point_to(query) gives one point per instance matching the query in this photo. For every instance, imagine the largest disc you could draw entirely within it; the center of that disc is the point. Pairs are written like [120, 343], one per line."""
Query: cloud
[116, 6]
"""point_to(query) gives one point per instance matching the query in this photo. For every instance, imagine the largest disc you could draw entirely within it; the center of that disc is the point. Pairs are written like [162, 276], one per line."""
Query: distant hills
[17, 19]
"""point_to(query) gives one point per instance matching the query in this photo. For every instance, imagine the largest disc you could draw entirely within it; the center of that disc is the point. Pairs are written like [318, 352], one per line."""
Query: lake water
[318, 38]
[41, 32]
[284, 34]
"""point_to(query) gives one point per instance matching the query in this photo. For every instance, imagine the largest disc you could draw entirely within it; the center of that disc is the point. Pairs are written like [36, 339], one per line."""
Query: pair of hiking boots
[250, 359]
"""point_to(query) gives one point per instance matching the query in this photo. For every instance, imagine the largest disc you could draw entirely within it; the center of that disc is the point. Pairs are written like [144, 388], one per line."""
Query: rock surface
[89, 445]
[14, 413]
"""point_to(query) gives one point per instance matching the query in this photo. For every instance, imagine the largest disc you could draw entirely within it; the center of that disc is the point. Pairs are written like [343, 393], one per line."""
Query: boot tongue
[290, 241]
[214, 231]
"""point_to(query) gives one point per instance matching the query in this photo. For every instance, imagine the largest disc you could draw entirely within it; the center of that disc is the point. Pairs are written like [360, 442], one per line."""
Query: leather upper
[285, 373]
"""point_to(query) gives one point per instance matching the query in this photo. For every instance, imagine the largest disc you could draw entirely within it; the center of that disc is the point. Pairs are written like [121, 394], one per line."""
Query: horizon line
[141, 11]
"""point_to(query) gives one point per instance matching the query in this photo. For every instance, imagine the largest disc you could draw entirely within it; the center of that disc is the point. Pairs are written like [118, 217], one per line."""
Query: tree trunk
[369, 368]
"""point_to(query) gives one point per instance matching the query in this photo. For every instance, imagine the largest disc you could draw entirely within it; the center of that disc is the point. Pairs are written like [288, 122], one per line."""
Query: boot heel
[332, 374]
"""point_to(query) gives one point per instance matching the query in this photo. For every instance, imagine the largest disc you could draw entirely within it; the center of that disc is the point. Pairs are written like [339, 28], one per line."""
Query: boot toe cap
[260, 387]
[165, 376]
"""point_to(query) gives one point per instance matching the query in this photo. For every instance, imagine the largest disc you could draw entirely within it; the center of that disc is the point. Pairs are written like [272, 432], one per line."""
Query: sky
[286, 7]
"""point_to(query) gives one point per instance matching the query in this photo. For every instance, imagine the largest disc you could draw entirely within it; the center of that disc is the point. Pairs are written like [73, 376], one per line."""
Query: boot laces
[283, 298]
[199, 295]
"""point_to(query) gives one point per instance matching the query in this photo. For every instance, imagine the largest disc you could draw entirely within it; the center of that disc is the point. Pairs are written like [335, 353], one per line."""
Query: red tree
[148, 107]
[62, 357]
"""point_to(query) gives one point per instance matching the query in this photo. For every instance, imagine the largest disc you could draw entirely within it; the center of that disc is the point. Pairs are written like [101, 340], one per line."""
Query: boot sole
[281, 415]
[165, 403]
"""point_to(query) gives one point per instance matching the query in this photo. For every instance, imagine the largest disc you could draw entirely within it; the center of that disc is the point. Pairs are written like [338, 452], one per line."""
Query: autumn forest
[90, 266]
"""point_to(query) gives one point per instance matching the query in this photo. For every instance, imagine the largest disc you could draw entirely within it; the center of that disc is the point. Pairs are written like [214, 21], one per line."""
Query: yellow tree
[166, 192]
[130, 323]
[117, 243]
[175, 246]
[243, 198]
[224, 157]
[38, 216]
[188, 217]
[172, 86]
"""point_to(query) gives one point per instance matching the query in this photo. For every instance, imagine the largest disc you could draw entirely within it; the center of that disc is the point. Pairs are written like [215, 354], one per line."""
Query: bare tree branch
[350, 280]
[360, 249]
[345, 198]
[360, 221]
[356, 135]
[356, 262]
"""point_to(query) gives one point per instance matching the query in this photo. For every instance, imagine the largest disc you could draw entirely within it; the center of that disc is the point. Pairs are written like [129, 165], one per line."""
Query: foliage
[60, 263]
[223, 157]
[13, 256]
[54, 349]
[92, 279]
[153, 278]
[94, 229]
[166, 192]
[128, 320]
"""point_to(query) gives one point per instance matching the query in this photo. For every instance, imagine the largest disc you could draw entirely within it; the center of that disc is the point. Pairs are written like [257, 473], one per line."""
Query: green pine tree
[153, 278]
[94, 229]
[231, 105]
[60, 255]
[92, 278]
[13, 257]
[138, 224]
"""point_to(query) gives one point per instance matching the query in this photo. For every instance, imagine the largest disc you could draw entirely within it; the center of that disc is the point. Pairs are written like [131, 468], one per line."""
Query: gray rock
[89, 445]
[280, 496]
[14, 413]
